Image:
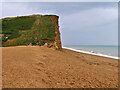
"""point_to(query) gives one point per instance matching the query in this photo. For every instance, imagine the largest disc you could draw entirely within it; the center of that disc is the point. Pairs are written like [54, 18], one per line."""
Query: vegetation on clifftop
[27, 29]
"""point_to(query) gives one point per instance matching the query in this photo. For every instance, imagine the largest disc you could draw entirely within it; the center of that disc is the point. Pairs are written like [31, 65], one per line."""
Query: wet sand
[42, 67]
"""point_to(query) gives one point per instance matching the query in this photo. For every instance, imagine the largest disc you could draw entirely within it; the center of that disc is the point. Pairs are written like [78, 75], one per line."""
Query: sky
[81, 23]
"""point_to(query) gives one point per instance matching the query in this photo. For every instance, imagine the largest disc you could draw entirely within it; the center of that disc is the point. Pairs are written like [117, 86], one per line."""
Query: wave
[92, 53]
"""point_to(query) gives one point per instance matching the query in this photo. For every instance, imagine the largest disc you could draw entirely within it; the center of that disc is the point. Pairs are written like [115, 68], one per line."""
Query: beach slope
[42, 67]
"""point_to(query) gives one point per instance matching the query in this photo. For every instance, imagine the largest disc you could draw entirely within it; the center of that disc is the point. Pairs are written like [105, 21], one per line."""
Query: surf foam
[91, 53]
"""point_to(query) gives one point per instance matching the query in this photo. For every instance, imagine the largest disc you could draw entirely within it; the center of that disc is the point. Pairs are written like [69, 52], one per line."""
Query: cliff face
[33, 29]
[57, 42]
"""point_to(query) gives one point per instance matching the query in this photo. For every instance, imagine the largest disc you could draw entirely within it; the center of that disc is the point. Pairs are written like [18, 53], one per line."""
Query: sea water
[109, 51]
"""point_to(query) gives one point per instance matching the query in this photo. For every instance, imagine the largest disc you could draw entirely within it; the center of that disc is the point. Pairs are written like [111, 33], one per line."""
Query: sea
[100, 50]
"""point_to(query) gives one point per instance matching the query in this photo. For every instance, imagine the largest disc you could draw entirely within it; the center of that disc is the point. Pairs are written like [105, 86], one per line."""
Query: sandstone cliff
[34, 29]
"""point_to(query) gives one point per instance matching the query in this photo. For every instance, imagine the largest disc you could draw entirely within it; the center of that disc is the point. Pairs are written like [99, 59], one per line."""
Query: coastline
[87, 52]
[42, 67]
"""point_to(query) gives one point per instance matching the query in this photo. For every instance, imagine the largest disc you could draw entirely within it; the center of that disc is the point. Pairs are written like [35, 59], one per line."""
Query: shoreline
[81, 51]
[87, 52]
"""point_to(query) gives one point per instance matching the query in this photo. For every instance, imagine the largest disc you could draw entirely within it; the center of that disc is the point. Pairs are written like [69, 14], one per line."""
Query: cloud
[13, 9]
[61, 8]
[95, 26]
[90, 18]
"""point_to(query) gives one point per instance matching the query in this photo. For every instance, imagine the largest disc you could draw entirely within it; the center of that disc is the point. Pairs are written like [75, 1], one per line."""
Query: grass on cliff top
[48, 29]
[13, 26]
[31, 29]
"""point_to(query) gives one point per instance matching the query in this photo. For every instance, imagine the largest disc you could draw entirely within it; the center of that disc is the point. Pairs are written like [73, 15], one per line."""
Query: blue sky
[81, 23]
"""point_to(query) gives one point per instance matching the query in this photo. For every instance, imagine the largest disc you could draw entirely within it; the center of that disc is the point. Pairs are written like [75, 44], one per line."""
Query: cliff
[33, 29]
